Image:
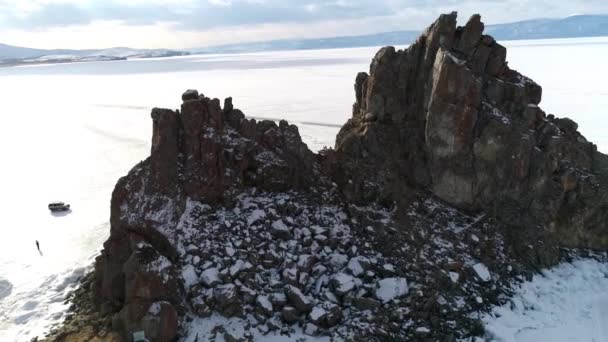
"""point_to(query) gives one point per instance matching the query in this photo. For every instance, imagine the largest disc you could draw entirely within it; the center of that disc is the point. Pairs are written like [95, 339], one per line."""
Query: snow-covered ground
[565, 304]
[70, 131]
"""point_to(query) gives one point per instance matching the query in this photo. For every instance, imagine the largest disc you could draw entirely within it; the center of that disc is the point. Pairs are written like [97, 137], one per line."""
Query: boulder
[263, 305]
[391, 288]
[317, 315]
[227, 300]
[290, 315]
[364, 303]
[210, 277]
[342, 283]
[306, 262]
[239, 266]
[278, 300]
[280, 230]
[358, 265]
[311, 329]
[482, 272]
[333, 316]
[297, 299]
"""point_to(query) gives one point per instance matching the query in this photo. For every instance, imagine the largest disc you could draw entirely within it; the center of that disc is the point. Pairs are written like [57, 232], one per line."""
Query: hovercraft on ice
[58, 206]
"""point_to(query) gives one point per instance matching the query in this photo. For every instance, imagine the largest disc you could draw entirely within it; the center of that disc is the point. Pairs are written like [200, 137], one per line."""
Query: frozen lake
[568, 303]
[70, 131]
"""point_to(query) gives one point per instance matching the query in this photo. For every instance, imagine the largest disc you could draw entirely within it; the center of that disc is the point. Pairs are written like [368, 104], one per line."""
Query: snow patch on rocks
[210, 277]
[256, 216]
[189, 275]
[391, 288]
[343, 283]
[482, 272]
[287, 263]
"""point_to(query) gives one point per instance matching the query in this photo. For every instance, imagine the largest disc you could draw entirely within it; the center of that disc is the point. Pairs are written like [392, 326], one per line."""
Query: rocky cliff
[445, 185]
[202, 153]
[449, 115]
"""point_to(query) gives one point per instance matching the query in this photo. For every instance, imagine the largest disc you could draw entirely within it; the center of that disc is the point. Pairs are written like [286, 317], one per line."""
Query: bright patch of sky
[190, 23]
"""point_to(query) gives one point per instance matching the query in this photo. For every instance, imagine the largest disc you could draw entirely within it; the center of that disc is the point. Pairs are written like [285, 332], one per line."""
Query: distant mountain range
[15, 55]
[569, 27]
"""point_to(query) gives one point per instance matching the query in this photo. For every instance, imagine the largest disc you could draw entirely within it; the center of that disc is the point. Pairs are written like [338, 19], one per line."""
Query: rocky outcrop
[203, 153]
[446, 171]
[449, 116]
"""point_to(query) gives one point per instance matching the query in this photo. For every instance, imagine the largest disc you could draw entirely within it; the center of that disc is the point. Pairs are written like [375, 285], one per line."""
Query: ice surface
[578, 91]
[28, 314]
[85, 125]
[566, 303]
[5, 288]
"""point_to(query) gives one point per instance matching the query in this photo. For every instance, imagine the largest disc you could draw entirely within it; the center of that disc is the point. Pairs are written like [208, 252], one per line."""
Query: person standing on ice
[38, 245]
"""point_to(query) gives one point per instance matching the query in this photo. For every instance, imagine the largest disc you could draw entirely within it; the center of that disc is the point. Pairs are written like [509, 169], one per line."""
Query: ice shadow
[61, 213]
[5, 288]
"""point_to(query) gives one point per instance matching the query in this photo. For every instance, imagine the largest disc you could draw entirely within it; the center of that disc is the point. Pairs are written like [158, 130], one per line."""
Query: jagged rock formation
[202, 153]
[448, 115]
[452, 165]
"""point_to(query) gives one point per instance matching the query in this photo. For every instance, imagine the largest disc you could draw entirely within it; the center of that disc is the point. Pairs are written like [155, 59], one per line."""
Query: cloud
[206, 22]
[46, 17]
[198, 15]
[208, 14]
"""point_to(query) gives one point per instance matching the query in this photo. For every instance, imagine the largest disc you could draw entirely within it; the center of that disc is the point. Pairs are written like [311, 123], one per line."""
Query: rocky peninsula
[448, 184]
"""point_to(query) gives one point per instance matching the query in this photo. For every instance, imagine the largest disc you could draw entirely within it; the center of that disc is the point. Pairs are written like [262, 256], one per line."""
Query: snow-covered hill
[12, 55]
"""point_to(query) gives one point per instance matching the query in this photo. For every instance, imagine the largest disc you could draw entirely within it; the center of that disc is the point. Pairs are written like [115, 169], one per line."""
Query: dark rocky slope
[448, 183]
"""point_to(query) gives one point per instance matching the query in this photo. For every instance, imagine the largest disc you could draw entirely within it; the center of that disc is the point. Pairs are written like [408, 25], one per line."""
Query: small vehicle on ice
[58, 206]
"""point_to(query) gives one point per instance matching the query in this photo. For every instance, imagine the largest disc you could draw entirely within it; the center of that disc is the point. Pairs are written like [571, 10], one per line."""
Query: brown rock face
[448, 115]
[202, 153]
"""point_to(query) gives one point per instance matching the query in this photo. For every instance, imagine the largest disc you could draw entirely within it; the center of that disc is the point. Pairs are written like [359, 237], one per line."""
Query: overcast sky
[190, 23]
